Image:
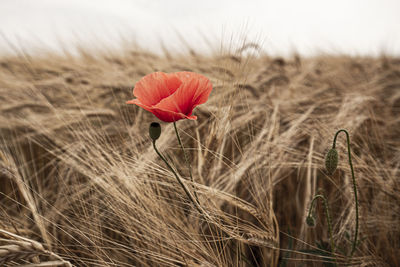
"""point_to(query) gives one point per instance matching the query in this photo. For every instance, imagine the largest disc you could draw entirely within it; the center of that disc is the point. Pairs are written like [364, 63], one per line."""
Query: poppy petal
[164, 115]
[200, 91]
[170, 116]
[154, 87]
[194, 90]
[140, 104]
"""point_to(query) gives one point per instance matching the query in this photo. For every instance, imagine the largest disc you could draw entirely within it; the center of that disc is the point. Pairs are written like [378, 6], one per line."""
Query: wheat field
[80, 184]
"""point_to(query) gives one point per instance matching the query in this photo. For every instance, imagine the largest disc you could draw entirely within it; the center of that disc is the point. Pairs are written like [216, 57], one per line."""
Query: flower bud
[155, 130]
[310, 220]
[331, 161]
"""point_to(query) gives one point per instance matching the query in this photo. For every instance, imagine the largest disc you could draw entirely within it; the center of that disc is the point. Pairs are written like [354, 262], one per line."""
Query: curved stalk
[178, 179]
[328, 218]
[354, 185]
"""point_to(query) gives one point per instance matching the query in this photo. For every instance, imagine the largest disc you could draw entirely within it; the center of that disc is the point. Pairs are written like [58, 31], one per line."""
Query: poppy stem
[186, 160]
[354, 185]
[328, 217]
[178, 178]
[196, 204]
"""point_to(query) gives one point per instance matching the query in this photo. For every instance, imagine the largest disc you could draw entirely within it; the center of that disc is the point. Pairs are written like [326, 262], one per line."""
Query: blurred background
[309, 27]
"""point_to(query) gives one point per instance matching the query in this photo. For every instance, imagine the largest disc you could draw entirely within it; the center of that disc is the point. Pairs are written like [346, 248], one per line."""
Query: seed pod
[310, 220]
[155, 130]
[331, 161]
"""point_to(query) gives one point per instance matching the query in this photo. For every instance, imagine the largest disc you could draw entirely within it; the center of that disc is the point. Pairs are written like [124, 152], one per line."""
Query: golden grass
[79, 175]
[17, 248]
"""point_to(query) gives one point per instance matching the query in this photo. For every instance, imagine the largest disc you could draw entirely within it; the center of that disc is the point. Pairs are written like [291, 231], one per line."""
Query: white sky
[356, 27]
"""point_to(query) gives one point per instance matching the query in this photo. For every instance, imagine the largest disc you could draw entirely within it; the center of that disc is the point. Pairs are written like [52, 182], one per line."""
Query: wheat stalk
[74, 161]
[22, 248]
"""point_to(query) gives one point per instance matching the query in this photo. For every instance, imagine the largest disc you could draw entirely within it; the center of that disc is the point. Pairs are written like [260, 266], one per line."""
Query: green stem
[328, 218]
[354, 186]
[186, 160]
[178, 178]
[196, 204]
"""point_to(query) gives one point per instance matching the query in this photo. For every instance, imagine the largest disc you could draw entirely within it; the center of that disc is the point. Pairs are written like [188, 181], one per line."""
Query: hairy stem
[196, 204]
[178, 179]
[328, 217]
[354, 185]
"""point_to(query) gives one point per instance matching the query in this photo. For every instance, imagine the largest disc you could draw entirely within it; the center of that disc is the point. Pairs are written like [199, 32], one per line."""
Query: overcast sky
[356, 27]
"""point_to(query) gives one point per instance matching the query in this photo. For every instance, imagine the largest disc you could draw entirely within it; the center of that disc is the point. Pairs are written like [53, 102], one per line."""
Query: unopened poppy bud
[310, 220]
[155, 130]
[331, 161]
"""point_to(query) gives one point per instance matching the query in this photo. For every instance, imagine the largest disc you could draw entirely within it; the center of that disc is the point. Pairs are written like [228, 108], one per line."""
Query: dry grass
[78, 173]
[17, 248]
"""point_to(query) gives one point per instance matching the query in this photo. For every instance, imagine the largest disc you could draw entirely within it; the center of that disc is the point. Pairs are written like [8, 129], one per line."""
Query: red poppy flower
[171, 96]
